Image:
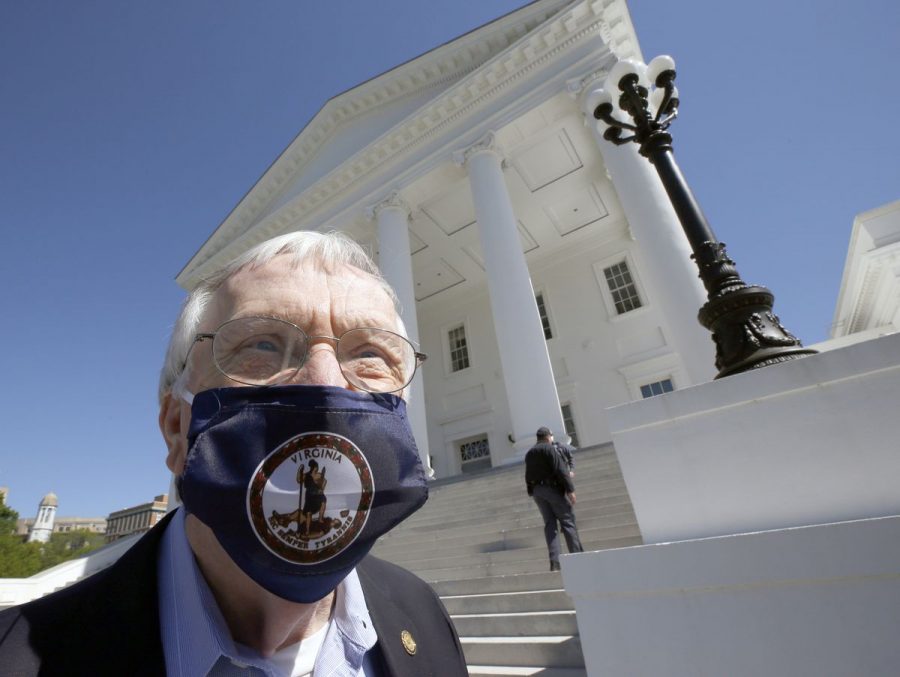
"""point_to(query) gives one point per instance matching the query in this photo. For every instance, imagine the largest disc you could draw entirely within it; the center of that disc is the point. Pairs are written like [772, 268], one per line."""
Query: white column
[668, 268]
[395, 260]
[527, 373]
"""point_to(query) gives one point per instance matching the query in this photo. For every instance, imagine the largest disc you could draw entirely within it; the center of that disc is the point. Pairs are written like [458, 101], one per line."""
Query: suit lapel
[391, 623]
[137, 607]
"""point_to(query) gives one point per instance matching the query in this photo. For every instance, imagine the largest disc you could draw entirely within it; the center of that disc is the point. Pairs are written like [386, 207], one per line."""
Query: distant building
[95, 525]
[43, 522]
[137, 519]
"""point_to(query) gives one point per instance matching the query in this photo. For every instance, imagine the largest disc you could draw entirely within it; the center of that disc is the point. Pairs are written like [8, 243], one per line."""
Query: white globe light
[619, 71]
[642, 74]
[658, 65]
[656, 97]
[594, 99]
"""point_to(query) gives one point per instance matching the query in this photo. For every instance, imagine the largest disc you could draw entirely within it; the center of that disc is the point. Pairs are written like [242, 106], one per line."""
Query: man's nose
[321, 368]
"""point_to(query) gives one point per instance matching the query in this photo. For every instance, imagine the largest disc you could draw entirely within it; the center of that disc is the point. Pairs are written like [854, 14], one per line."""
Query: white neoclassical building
[541, 269]
[868, 303]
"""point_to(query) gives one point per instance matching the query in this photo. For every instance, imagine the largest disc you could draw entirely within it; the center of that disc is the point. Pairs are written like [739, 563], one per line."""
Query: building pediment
[357, 117]
[360, 132]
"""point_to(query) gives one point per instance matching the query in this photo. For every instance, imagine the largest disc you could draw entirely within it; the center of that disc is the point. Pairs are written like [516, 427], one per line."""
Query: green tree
[8, 519]
[64, 546]
[19, 559]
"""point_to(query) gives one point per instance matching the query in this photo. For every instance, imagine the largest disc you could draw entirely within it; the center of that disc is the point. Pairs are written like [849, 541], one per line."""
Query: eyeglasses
[261, 351]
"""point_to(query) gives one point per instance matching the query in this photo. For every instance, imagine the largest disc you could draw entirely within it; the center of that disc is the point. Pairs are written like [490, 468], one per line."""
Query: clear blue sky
[129, 130]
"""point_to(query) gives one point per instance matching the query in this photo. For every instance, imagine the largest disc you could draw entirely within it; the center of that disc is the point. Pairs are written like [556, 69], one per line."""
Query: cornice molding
[534, 49]
[862, 309]
[394, 200]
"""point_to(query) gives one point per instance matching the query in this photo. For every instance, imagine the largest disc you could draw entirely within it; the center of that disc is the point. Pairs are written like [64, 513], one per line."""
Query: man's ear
[173, 425]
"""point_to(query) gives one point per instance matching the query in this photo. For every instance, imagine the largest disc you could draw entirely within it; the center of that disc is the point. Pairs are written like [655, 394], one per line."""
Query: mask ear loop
[179, 388]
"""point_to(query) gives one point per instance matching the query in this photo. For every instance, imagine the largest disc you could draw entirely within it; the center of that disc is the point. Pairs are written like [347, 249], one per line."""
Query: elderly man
[548, 480]
[293, 356]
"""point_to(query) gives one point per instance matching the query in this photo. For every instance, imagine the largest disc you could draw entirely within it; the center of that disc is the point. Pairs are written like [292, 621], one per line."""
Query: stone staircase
[480, 542]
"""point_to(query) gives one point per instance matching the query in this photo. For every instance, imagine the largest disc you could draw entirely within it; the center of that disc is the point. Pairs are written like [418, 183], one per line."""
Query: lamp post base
[747, 334]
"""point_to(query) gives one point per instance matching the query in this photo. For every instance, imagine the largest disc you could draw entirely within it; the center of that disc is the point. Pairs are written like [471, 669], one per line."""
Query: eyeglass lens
[267, 351]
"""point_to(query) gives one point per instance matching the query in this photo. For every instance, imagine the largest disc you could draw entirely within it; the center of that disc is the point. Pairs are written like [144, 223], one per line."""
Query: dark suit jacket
[545, 465]
[108, 624]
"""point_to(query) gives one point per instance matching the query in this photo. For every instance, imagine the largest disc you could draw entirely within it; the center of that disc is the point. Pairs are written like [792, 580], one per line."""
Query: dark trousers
[555, 507]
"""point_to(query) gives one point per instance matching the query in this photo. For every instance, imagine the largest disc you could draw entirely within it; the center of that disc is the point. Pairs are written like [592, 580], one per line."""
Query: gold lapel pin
[408, 642]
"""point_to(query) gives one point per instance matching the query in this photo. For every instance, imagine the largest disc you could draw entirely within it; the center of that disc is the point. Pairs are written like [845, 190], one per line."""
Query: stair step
[479, 540]
[509, 602]
[523, 624]
[487, 529]
[478, 553]
[492, 543]
[497, 496]
[535, 561]
[548, 580]
[510, 671]
[557, 650]
[516, 483]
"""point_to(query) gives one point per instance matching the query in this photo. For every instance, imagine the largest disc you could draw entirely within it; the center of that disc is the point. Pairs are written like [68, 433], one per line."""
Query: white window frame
[571, 406]
[445, 340]
[653, 383]
[543, 294]
[467, 440]
[655, 369]
[600, 266]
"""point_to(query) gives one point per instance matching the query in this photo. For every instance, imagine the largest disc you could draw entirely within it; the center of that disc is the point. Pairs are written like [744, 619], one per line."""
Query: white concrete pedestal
[787, 481]
[821, 601]
[811, 441]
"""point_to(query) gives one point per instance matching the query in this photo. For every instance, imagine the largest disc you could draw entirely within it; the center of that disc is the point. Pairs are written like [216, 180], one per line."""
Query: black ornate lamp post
[746, 332]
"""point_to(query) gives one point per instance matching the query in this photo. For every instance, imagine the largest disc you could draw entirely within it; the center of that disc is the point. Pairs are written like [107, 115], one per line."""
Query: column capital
[580, 87]
[487, 143]
[393, 199]
[577, 87]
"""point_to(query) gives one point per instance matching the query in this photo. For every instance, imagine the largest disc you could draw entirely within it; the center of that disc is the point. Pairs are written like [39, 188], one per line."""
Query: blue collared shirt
[196, 640]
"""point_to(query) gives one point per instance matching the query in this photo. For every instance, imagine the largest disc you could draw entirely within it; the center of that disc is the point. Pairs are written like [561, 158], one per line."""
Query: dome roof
[50, 499]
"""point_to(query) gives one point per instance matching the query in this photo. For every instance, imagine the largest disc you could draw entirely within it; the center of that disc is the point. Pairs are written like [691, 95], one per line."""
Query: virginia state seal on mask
[310, 498]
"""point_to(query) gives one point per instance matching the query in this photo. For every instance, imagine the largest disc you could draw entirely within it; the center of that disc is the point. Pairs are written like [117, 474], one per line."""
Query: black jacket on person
[108, 624]
[545, 465]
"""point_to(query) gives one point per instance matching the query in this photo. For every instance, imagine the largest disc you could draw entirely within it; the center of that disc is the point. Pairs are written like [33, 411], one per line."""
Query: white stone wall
[820, 601]
[769, 502]
[594, 353]
[810, 441]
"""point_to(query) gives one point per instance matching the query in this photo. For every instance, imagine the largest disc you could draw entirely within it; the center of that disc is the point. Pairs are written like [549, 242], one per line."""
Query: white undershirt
[298, 660]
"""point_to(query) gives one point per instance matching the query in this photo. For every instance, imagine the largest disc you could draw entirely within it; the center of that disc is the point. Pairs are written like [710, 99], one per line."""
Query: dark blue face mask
[298, 482]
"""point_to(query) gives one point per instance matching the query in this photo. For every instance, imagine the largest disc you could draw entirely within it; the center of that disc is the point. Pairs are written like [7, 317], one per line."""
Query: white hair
[325, 250]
